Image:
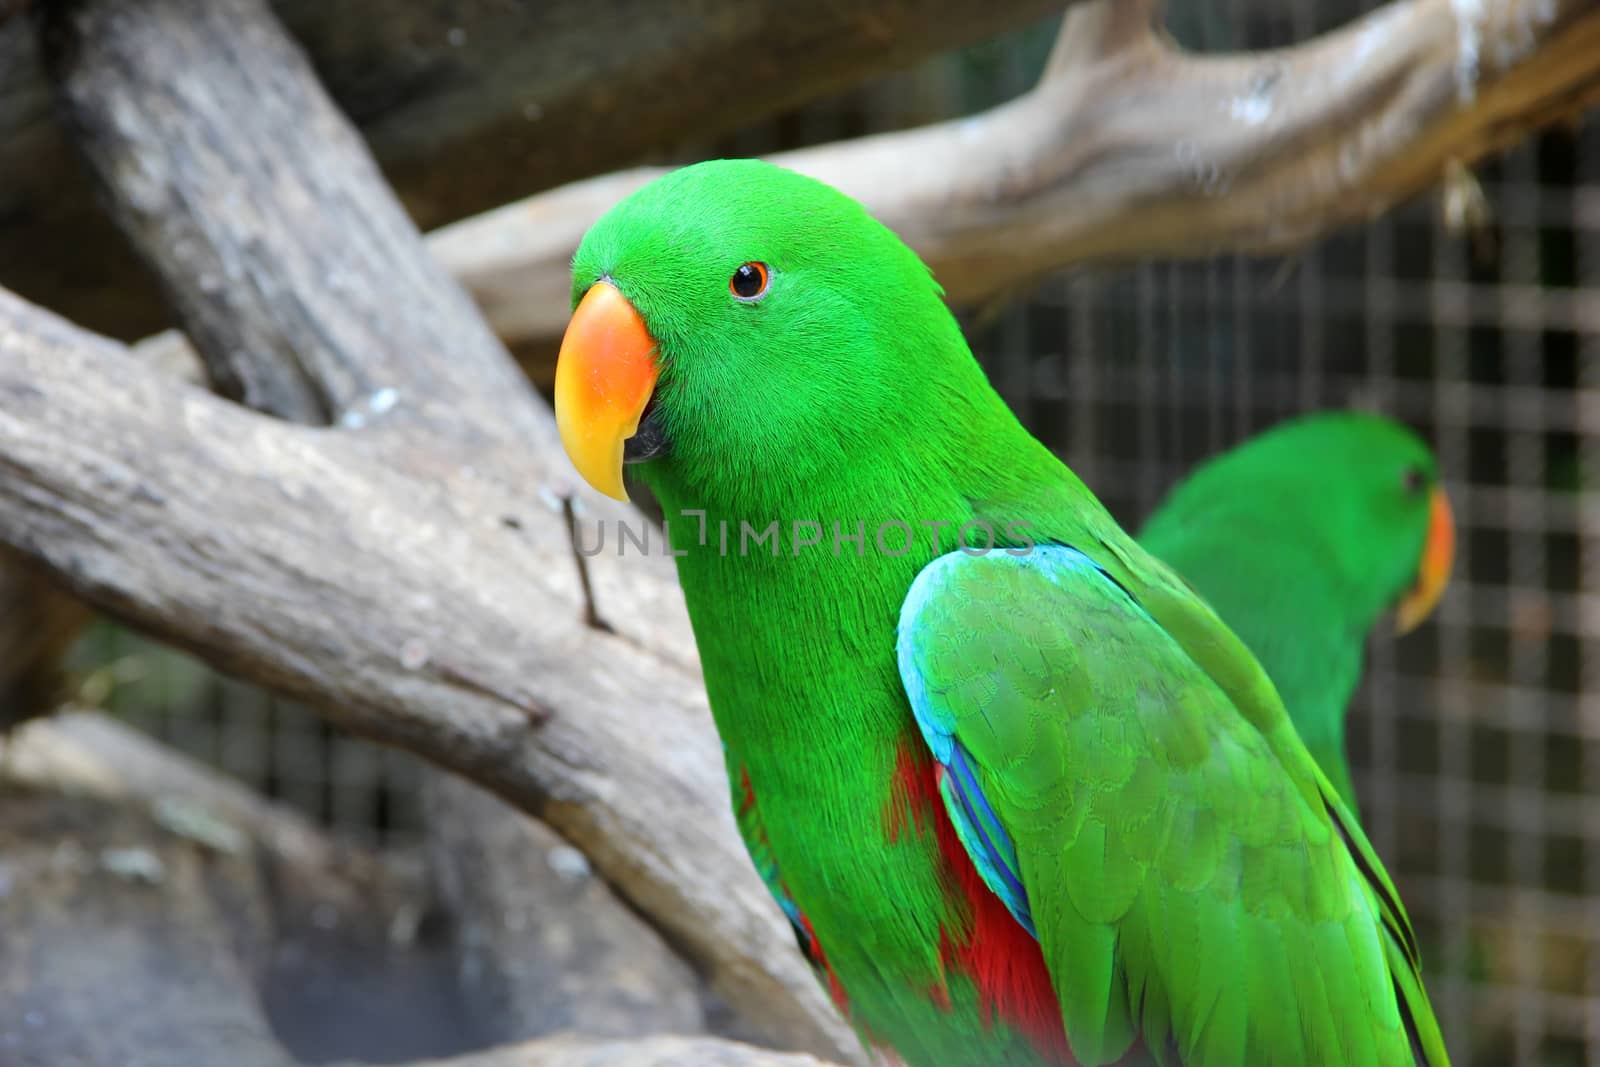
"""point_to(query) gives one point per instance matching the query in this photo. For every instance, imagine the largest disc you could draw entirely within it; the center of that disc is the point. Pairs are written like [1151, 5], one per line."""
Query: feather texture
[1076, 746]
[1102, 747]
[1301, 539]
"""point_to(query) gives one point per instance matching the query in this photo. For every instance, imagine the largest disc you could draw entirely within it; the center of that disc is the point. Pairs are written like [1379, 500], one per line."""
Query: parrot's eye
[750, 281]
[1413, 479]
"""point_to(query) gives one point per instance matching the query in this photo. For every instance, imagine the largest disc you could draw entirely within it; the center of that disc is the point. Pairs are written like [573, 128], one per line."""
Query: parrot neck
[1317, 674]
[794, 588]
[798, 652]
[1317, 679]
[1303, 616]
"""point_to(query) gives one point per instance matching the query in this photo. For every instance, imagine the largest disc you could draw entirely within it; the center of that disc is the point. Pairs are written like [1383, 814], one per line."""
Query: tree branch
[149, 907]
[417, 592]
[541, 945]
[306, 289]
[256, 203]
[152, 907]
[1129, 148]
[242, 185]
[39, 620]
[1339, 150]
[512, 97]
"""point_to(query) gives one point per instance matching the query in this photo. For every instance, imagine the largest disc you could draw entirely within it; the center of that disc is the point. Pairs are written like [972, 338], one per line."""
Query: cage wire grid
[1475, 740]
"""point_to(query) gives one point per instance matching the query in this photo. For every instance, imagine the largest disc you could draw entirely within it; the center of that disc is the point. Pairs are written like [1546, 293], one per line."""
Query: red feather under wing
[1002, 959]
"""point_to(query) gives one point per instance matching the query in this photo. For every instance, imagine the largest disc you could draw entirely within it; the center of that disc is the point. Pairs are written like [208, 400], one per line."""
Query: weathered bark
[540, 944]
[418, 593]
[153, 911]
[514, 96]
[302, 283]
[454, 468]
[1130, 148]
[147, 905]
[86, 753]
[1276, 151]
[287, 260]
[39, 619]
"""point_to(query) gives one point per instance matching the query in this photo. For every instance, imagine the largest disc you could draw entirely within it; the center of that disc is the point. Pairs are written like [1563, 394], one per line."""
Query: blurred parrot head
[1365, 488]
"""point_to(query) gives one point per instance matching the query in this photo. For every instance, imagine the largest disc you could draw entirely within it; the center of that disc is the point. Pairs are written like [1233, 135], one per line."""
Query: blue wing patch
[984, 838]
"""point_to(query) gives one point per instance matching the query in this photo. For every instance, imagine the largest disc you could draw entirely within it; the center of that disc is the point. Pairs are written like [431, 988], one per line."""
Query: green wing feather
[1192, 877]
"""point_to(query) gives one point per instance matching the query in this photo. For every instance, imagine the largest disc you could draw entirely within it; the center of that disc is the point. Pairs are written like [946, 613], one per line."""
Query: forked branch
[419, 592]
[1130, 148]
[410, 545]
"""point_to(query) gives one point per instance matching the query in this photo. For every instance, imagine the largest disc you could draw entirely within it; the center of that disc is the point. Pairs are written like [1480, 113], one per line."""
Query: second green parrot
[1302, 539]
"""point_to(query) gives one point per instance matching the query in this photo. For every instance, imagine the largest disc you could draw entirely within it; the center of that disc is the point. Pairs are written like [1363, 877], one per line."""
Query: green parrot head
[1363, 486]
[739, 325]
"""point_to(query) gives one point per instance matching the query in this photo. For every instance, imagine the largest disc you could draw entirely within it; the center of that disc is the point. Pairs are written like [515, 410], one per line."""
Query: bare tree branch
[1312, 149]
[418, 593]
[149, 907]
[39, 620]
[310, 294]
[305, 287]
[255, 201]
[1130, 148]
[89, 754]
[468, 105]
[540, 943]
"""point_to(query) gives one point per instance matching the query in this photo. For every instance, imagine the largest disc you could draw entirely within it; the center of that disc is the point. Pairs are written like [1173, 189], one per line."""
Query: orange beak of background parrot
[1433, 574]
[605, 376]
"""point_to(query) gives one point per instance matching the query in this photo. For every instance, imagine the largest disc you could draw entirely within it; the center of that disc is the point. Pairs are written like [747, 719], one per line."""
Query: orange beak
[604, 377]
[1438, 553]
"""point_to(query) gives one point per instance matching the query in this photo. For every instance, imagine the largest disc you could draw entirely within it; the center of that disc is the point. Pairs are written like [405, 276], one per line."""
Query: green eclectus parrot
[1302, 539]
[1024, 805]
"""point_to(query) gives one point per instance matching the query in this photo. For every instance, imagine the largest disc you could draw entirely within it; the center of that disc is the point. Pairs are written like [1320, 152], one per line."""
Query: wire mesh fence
[1475, 741]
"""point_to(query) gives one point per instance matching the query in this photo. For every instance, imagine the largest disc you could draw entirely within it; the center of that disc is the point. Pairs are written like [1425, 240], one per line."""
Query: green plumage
[1302, 539]
[1108, 778]
[1199, 892]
